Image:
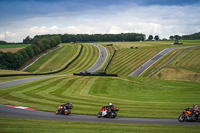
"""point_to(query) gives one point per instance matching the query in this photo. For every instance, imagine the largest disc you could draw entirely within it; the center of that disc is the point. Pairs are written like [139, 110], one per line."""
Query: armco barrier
[8, 75]
[171, 60]
[109, 61]
[95, 74]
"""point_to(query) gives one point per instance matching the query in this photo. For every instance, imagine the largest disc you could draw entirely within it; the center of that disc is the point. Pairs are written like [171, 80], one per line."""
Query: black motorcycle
[189, 115]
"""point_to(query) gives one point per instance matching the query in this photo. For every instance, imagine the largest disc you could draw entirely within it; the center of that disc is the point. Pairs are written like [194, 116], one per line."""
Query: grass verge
[43, 126]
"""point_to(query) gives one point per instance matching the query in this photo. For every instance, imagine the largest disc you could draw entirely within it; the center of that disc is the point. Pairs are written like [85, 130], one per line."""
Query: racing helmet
[69, 103]
[110, 104]
[195, 106]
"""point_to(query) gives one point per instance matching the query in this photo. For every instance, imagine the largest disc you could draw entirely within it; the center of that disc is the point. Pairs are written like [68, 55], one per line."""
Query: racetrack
[39, 115]
[27, 114]
[21, 81]
[102, 58]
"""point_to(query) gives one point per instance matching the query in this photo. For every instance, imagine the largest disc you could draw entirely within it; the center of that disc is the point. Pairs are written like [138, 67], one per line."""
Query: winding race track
[38, 115]
[102, 58]
[150, 62]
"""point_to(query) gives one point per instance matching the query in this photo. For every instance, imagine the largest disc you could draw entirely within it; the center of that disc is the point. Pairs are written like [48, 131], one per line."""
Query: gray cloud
[155, 19]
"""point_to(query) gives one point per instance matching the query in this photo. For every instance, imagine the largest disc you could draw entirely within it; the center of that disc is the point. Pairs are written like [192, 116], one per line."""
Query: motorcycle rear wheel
[113, 115]
[99, 115]
[181, 118]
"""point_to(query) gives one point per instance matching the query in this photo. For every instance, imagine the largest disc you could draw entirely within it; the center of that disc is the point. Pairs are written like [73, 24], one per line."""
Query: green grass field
[88, 57]
[55, 60]
[43, 126]
[135, 96]
[186, 67]
[14, 46]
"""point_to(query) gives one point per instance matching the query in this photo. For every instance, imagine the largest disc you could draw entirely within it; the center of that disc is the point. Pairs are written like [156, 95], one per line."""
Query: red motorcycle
[64, 109]
[109, 113]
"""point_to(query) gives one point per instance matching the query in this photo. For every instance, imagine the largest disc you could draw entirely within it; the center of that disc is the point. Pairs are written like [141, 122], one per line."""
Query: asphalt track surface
[150, 62]
[22, 81]
[39, 115]
[102, 58]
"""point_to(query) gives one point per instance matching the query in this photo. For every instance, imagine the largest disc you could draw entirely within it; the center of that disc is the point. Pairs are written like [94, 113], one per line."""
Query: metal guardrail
[171, 60]
[109, 61]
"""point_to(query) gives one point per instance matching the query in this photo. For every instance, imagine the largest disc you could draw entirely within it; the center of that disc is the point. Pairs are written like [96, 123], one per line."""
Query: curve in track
[103, 55]
[39, 115]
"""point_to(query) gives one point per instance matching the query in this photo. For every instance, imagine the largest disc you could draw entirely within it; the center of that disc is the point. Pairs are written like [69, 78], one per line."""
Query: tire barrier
[171, 60]
[9, 75]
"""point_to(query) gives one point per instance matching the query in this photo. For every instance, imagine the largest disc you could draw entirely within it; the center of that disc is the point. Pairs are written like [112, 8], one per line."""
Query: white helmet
[110, 104]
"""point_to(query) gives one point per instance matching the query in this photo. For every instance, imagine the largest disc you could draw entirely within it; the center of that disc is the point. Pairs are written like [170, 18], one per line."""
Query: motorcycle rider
[109, 107]
[195, 107]
[194, 110]
[66, 105]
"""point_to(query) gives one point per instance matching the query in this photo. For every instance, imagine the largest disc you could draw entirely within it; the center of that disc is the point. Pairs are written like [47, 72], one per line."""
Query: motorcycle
[187, 115]
[64, 109]
[109, 113]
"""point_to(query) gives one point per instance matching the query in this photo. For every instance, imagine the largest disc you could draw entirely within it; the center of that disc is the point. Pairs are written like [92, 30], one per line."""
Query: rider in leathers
[109, 107]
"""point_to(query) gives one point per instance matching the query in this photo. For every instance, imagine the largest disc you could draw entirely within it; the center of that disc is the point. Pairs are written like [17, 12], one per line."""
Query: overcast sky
[20, 18]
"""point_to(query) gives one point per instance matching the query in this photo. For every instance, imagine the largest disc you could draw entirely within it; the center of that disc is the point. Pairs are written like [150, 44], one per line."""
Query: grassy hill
[186, 67]
[87, 59]
[136, 97]
[55, 60]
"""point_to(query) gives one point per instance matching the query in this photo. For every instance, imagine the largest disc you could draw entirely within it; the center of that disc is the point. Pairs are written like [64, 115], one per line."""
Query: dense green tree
[27, 40]
[150, 37]
[36, 49]
[156, 38]
[3, 42]
[24, 54]
[30, 51]
[171, 37]
[177, 37]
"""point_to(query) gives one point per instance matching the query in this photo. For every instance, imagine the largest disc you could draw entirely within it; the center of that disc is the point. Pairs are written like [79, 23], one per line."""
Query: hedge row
[12, 61]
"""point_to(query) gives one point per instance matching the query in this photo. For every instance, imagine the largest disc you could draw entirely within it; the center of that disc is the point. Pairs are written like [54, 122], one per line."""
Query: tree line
[195, 36]
[12, 61]
[66, 38]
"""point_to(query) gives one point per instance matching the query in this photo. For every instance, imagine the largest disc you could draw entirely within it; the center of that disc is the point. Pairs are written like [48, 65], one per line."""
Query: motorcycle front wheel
[67, 112]
[57, 112]
[99, 115]
[181, 118]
